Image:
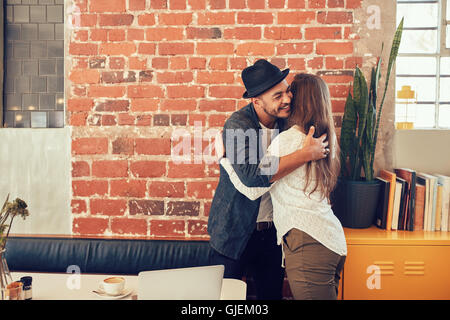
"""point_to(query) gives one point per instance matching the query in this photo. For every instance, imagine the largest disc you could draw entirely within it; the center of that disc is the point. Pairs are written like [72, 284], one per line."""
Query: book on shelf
[434, 197]
[397, 201]
[409, 176]
[426, 207]
[445, 181]
[383, 203]
[413, 201]
[430, 200]
[391, 177]
[420, 207]
[403, 204]
[438, 207]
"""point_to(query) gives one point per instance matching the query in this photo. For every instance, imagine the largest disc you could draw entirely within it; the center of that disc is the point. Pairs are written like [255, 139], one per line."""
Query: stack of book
[413, 201]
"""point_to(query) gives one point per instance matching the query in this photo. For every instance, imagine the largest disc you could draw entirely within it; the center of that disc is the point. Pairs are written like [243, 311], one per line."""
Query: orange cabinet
[396, 265]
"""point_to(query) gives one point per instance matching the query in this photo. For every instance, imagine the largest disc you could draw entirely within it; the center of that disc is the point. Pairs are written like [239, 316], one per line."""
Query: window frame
[442, 51]
[57, 112]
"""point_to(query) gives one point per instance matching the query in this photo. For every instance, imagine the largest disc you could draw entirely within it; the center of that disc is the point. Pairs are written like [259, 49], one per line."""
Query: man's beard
[279, 113]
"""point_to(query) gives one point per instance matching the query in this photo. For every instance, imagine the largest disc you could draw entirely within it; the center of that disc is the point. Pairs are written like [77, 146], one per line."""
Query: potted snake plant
[355, 197]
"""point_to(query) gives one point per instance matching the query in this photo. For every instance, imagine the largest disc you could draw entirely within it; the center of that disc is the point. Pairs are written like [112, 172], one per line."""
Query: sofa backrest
[112, 256]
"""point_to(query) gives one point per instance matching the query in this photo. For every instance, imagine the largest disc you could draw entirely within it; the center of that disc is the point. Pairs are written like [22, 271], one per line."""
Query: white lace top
[292, 208]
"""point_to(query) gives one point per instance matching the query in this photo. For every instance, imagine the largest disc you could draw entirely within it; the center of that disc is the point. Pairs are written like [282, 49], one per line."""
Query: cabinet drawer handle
[414, 268]
[386, 267]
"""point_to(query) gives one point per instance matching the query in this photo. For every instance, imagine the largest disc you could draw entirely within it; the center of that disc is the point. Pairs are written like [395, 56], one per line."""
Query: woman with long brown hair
[314, 246]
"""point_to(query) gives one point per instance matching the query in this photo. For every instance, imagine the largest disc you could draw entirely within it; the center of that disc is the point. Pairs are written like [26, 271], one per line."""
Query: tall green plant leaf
[361, 119]
[361, 99]
[392, 57]
[369, 137]
[373, 94]
[357, 86]
[368, 142]
[348, 134]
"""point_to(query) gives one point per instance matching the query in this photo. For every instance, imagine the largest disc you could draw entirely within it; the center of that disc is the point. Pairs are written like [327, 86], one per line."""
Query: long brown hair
[311, 106]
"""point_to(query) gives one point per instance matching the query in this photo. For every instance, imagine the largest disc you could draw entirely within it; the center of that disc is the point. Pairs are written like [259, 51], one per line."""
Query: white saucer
[103, 295]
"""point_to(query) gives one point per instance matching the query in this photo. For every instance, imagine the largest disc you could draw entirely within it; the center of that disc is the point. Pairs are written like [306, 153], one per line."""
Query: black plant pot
[355, 202]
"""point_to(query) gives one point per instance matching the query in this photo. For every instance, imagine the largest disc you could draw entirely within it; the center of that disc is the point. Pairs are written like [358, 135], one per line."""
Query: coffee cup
[113, 285]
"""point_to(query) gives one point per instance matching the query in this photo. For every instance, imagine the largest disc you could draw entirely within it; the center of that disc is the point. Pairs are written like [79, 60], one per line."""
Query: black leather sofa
[109, 256]
[98, 255]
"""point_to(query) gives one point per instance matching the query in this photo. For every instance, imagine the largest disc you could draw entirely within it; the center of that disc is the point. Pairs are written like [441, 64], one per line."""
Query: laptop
[196, 283]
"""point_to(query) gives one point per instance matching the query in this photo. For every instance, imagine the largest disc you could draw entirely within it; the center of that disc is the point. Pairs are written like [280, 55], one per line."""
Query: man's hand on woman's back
[316, 147]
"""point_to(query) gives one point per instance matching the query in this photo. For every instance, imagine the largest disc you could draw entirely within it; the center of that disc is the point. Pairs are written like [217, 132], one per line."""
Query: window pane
[38, 119]
[33, 30]
[405, 113]
[447, 39]
[425, 87]
[444, 90]
[425, 116]
[444, 116]
[22, 120]
[418, 41]
[448, 9]
[416, 65]
[400, 113]
[9, 119]
[13, 102]
[418, 15]
[445, 66]
[421, 114]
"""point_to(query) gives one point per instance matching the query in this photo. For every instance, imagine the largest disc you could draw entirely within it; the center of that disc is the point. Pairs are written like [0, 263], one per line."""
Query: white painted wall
[35, 165]
[422, 150]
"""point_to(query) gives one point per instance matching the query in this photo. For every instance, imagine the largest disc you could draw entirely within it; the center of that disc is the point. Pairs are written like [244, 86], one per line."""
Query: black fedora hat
[260, 77]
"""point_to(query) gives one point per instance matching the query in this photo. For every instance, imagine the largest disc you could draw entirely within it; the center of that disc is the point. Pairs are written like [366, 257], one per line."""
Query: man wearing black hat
[242, 235]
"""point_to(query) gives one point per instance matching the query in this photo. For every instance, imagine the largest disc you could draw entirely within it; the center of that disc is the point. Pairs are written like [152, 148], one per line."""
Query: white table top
[66, 286]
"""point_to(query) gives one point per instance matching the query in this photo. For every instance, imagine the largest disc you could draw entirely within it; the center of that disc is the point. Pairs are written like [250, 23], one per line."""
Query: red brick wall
[141, 68]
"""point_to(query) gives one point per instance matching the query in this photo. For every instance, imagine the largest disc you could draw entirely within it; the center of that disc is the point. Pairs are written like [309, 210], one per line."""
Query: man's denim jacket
[232, 217]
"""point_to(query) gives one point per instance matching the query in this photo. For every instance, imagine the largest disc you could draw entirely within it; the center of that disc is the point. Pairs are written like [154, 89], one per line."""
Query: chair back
[196, 283]
[233, 289]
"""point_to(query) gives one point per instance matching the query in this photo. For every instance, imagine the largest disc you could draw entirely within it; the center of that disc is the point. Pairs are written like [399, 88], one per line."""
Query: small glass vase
[5, 275]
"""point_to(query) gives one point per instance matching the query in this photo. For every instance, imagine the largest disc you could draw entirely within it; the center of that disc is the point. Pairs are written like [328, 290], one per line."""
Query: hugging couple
[265, 221]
